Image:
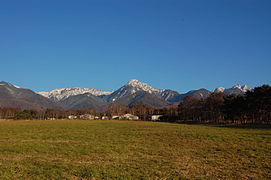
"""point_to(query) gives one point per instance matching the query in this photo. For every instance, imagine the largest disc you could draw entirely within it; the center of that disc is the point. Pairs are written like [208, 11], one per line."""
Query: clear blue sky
[175, 44]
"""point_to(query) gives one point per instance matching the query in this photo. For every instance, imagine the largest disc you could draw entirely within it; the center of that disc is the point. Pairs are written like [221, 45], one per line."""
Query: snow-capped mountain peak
[236, 89]
[243, 88]
[133, 88]
[219, 90]
[237, 86]
[63, 93]
[143, 86]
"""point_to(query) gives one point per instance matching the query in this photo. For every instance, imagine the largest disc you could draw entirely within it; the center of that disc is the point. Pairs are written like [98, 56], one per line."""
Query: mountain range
[133, 92]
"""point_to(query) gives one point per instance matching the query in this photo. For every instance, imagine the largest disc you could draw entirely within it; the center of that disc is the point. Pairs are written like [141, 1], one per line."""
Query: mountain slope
[140, 97]
[170, 96]
[84, 101]
[15, 96]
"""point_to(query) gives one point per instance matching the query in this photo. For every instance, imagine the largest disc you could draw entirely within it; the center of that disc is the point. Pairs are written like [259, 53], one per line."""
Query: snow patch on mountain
[219, 90]
[142, 86]
[245, 88]
[18, 87]
[63, 93]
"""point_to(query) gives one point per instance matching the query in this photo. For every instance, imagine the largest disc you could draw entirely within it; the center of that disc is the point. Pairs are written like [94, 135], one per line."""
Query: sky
[169, 44]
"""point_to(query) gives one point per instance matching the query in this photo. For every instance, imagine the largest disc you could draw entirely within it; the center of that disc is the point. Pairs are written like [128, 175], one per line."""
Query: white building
[115, 117]
[156, 117]
[105, 117]
[72, 117]
[87, 117]
[129, 117]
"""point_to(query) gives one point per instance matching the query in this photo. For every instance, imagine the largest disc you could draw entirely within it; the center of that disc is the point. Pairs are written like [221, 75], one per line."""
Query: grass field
[131, 150]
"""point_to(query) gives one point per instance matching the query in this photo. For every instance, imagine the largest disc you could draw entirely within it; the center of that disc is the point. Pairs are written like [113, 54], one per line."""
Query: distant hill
[201, 93]
[14, 96]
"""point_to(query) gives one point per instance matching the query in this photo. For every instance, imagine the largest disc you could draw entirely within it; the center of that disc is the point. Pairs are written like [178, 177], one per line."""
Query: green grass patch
[66, 149]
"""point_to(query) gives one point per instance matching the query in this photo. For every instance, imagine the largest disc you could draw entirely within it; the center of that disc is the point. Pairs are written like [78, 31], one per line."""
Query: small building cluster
[113, 117]
[125, 117]
[85, 117]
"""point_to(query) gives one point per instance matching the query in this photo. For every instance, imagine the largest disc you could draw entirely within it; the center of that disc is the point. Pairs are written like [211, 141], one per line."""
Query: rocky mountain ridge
[133, 92]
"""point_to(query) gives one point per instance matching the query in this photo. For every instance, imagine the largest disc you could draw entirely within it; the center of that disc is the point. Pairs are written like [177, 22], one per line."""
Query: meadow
[78, 149]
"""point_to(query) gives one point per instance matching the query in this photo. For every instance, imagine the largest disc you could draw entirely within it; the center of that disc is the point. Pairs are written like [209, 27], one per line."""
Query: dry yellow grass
[131, 150]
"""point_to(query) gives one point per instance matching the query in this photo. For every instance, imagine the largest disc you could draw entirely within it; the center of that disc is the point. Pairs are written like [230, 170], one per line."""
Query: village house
[72, 117]
[125, 117]
[87, 117]
[115, 117]
[129, 117]
[156, 117]
[105, 117]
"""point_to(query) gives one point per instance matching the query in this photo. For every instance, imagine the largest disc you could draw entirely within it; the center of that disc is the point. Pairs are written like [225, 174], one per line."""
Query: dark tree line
[8, 112]
[42, 114]
[254, 107]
